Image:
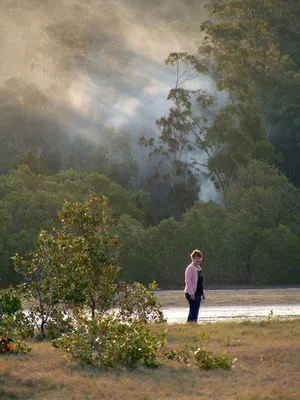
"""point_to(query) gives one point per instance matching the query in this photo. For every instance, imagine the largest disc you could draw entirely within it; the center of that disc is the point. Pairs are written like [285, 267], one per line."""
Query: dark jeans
[194, 307]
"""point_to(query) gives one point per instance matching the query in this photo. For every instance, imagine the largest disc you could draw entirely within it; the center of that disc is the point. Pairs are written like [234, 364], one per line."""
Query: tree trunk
[93, 307]
[42, 328]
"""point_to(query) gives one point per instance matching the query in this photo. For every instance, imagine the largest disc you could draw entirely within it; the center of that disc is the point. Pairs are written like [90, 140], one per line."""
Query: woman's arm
[189, 275]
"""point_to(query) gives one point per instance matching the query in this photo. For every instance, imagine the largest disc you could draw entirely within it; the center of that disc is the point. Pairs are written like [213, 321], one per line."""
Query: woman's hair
[196, 253]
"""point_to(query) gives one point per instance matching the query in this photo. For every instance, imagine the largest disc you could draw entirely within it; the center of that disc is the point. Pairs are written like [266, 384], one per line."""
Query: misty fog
[98, 64]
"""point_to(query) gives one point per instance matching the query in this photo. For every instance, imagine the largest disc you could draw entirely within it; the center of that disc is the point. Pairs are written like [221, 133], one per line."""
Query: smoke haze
[99, 64]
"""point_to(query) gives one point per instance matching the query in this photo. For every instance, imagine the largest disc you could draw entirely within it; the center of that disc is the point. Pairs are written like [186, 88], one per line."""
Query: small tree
[74, 272]
[75, 265]
[49, 273]
[98, 270]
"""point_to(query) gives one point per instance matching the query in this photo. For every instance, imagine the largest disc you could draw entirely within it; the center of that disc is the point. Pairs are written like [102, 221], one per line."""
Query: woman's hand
[203, 296]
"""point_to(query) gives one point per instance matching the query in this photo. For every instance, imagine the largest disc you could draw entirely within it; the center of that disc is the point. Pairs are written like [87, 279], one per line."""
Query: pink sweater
[191, 279]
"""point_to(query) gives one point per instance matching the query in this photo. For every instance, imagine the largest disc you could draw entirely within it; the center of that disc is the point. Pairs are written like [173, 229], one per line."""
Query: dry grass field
[267, 368]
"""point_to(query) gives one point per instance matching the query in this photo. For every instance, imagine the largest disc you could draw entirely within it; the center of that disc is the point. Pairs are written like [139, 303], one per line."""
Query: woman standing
[194, 281]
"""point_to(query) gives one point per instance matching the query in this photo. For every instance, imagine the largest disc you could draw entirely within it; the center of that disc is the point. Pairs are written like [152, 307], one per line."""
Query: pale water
[234, 313]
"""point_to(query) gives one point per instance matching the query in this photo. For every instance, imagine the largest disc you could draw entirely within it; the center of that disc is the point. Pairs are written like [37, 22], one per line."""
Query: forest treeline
[247, 146]
[253, 240]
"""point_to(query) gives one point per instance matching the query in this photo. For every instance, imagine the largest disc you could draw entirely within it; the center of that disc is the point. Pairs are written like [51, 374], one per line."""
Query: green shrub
[14, 323]
[200, 357]
[206, 359]
[17, 325]
[10, 302]
[182, 355]
[60, 323]
[110, 342]
[139, 302]
[21, 347]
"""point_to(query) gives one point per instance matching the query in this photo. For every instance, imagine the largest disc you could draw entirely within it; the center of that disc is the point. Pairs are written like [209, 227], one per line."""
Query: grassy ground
[267, 367]
[234, 297]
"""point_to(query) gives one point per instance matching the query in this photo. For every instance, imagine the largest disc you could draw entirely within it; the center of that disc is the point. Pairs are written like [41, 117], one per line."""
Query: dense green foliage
[29, 203]
[114, 343]
[253, 238]
[254, 46]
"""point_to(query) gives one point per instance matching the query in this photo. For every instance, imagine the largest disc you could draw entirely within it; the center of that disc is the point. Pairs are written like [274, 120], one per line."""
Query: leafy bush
[206, 359]
[139, 302]
[21, 347]
[181, 355]
[10, 302]
[14, 323]
[17, 325]
[110, 342]
[60, 323]
[200, 357]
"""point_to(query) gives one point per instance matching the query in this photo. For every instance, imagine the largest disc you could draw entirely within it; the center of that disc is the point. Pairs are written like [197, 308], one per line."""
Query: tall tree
[254, 47]
[215, 139]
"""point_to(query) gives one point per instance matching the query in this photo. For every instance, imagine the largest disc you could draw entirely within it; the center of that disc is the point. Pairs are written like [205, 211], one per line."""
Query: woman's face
[197, 260]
